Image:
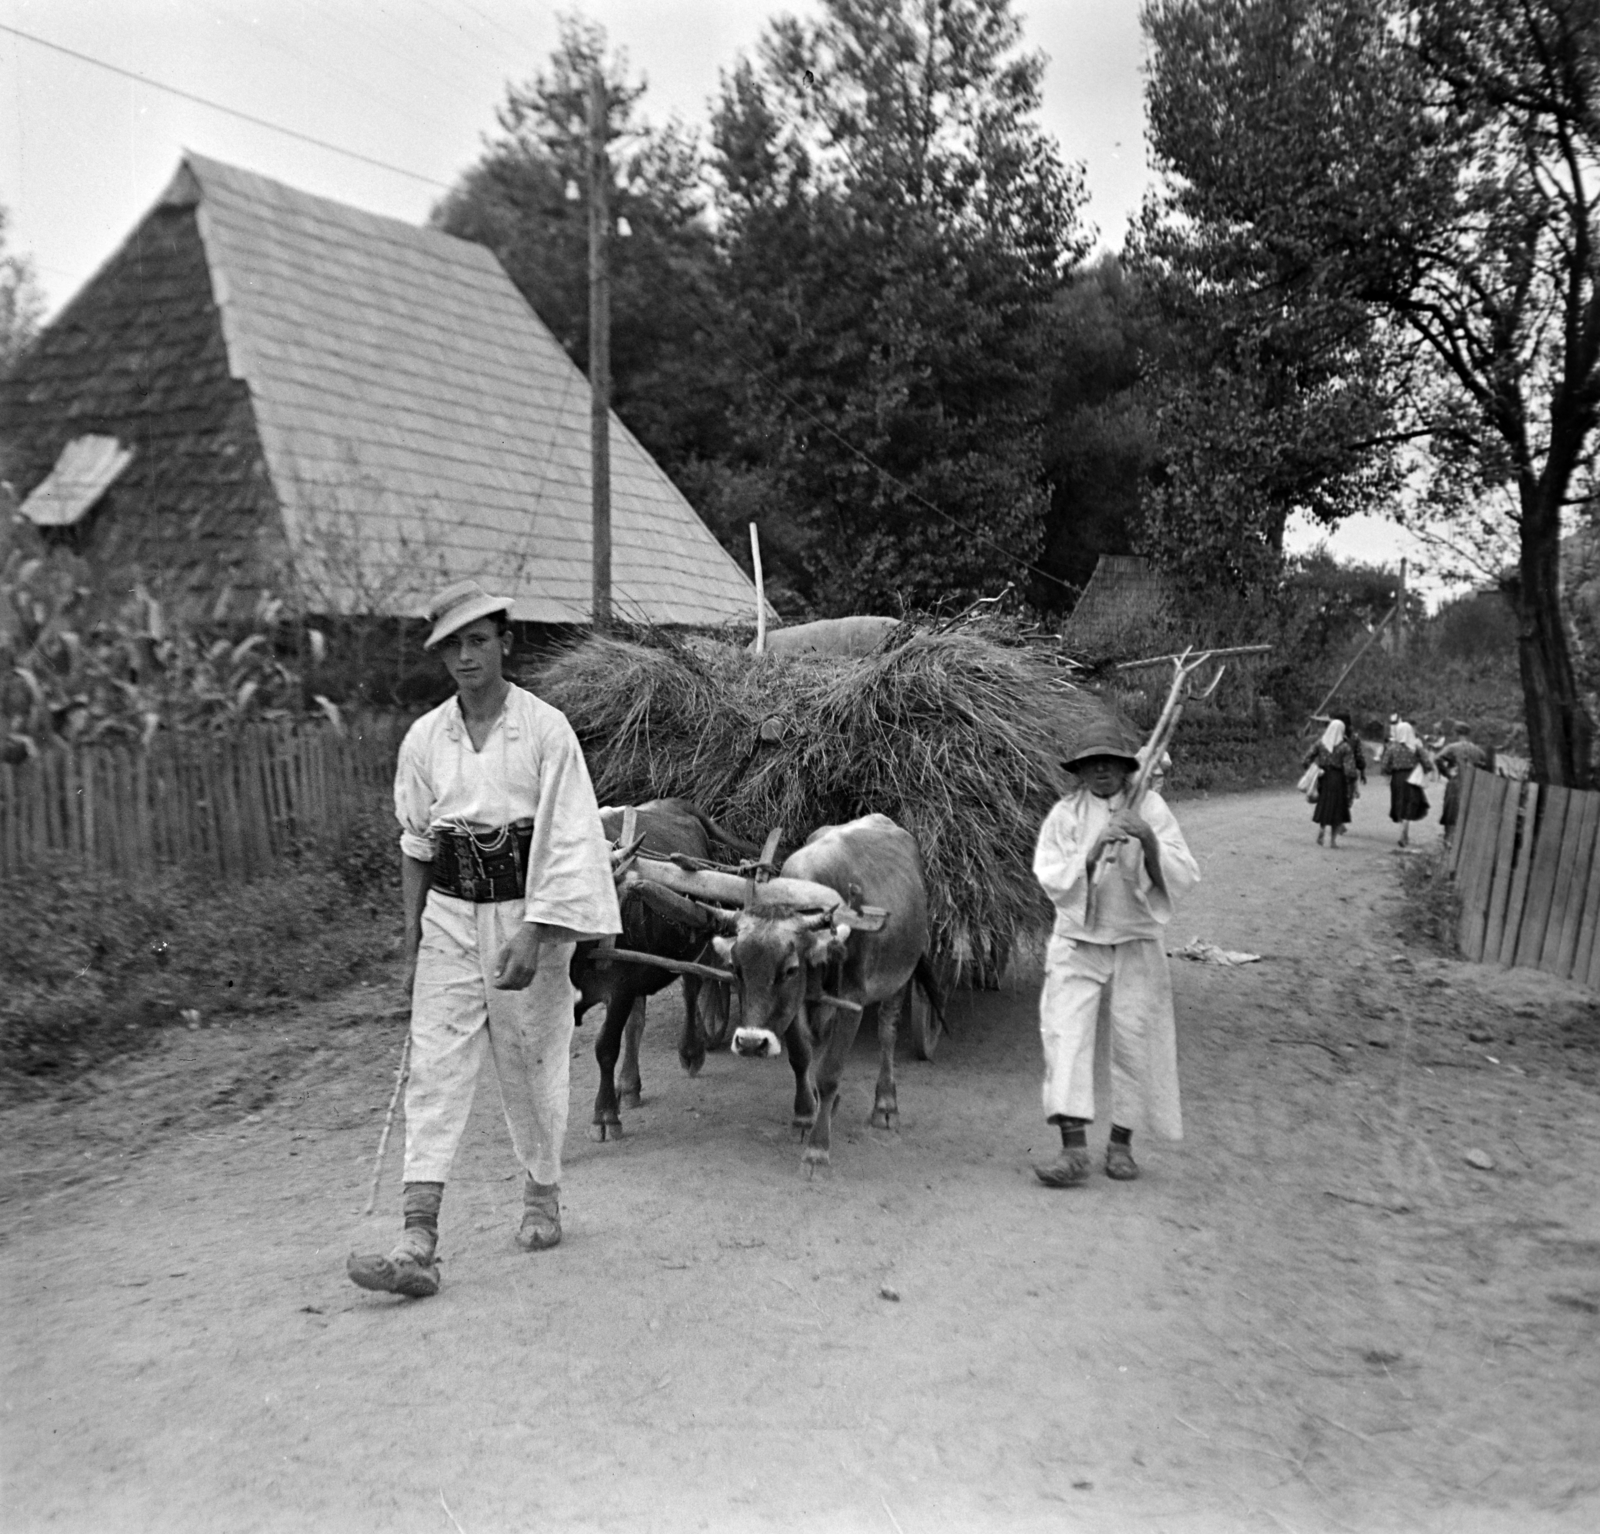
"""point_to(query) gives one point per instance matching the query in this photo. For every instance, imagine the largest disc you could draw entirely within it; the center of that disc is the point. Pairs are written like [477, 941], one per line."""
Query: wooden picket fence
[1526, 859]
[228, 806]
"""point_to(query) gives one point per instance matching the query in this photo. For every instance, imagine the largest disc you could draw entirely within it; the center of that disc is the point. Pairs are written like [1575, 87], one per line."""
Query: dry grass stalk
[953, 736]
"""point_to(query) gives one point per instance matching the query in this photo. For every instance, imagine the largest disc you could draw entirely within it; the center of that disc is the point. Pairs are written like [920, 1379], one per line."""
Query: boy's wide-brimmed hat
[1107, 737]
[458, 605]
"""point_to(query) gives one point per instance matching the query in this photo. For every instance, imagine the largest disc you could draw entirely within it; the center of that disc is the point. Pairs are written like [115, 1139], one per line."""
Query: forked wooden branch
[1183, 670]
[1167, 724]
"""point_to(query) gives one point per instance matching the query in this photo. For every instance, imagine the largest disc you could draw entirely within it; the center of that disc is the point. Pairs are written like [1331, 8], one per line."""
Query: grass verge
[96, 968]
[1430, 913]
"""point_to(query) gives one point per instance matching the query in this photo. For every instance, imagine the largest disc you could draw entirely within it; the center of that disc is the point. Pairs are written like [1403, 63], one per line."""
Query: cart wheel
[925, 1027]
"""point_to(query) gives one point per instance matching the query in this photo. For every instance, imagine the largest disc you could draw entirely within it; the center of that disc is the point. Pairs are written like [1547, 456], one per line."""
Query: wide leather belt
[482, 866]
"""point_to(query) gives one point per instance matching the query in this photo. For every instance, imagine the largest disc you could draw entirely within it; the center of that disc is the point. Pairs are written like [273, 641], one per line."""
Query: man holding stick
[505, 867]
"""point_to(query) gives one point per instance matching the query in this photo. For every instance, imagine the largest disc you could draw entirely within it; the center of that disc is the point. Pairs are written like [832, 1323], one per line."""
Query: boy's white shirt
[1128, 905]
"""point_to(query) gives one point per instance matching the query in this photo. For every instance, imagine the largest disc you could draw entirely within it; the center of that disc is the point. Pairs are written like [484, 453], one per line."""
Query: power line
[407, 109]
[217, 106]
[400, 170]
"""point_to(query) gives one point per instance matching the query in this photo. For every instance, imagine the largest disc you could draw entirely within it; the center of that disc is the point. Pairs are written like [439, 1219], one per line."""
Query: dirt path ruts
[1311, 1315]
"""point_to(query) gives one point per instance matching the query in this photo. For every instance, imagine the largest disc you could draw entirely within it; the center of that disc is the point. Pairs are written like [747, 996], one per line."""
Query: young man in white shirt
[505, 867]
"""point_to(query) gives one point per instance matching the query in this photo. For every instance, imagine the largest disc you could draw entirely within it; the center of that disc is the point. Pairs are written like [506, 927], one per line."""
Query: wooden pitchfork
[1183, 670]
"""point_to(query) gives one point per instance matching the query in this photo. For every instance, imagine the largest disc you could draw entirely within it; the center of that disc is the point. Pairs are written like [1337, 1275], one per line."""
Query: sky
[413, 84]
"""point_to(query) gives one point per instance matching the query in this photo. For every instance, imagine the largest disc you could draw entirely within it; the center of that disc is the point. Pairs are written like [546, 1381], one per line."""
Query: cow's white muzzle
[757, 1043]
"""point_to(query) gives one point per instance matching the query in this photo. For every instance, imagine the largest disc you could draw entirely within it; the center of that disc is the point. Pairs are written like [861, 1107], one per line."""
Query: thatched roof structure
[1124, 595]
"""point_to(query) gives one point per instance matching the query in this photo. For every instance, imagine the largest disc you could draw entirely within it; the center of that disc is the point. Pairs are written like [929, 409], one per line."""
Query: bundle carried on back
[953, 736]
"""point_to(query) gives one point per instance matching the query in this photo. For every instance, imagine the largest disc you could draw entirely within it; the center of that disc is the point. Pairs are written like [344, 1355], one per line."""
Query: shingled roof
[419, 423]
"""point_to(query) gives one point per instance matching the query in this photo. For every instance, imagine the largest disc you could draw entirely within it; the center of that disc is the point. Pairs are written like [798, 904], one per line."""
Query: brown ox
[792, 965]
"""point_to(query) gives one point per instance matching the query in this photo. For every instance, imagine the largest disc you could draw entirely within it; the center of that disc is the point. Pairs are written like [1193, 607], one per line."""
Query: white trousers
[1136, 1053]
[455, 1010]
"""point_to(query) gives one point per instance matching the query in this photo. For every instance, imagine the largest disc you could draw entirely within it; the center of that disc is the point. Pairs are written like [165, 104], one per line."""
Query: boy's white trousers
[1135, 1053]
[456, 1011]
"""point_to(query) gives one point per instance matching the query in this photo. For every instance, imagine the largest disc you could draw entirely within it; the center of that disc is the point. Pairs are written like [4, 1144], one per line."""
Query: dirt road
[1313, 1314]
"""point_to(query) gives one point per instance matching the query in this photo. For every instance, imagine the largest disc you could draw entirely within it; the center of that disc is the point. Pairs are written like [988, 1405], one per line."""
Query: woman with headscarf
[1405, 759]
[1335, 762]
[1357, 750]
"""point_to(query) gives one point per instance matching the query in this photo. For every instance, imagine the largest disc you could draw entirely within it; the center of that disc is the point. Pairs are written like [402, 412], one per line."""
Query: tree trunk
[1559, 728]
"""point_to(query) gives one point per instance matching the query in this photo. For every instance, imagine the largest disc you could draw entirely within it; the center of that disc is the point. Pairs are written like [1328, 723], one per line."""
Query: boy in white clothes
[1137, 864]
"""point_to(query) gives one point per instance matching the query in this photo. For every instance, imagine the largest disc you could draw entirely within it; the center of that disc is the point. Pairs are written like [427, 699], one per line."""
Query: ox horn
[716, 916]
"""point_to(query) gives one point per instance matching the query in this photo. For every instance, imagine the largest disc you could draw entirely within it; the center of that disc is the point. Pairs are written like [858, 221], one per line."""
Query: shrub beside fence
[229, 806]
[1526, 859]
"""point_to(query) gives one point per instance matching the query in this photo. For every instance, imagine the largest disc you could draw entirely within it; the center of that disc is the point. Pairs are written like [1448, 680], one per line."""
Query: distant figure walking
[1461, 752]
[1406, 760]
[1335, 762]
[1358, 751]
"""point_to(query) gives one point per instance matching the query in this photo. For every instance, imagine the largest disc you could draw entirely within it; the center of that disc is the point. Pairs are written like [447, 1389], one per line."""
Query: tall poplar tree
[895, 226]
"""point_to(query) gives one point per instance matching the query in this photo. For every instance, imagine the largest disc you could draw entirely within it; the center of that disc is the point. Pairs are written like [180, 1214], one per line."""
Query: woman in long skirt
[1336, 770]
[1402, 758]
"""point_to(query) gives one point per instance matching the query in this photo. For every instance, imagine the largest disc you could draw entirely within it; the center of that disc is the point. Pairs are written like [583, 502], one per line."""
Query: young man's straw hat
[458, 605]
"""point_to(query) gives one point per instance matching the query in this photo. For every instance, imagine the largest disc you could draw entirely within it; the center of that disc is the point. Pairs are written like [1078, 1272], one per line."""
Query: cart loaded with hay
[956, 737]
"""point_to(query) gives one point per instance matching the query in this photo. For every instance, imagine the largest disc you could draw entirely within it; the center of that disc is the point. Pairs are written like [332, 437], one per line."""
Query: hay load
[954, 736]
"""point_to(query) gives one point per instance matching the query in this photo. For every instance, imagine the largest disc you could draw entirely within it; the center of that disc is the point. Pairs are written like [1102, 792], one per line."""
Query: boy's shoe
[410, 1269]
[1120, 1163]
[1068, 1170]
[541, 1216]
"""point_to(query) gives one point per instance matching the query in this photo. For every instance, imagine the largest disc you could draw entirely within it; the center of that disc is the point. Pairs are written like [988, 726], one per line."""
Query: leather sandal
[1120, 1164]
[410, 1269]
[541, 1217]
[1068, 1170]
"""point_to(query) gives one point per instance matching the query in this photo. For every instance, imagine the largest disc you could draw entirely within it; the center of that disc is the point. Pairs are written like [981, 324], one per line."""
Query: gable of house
[138, 356]
[420, 423]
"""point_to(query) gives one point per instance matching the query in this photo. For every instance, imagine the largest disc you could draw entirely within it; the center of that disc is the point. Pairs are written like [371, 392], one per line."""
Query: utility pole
[600, 351]
[1400, 612]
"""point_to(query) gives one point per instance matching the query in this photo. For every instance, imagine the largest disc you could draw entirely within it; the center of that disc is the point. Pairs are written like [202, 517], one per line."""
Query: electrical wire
[217, 106]
[400, 170]
[405, 109]
[371, 37]
[500, 26]
[455, 22]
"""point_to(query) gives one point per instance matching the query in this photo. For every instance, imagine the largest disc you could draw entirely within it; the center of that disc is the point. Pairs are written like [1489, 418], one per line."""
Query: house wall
[139, 354]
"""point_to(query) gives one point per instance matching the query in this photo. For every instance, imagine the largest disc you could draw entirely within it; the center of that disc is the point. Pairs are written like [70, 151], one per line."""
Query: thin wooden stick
[677, 966]
[1161, 660]
[761, 591]
[1352, 666]
[388, 1121]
